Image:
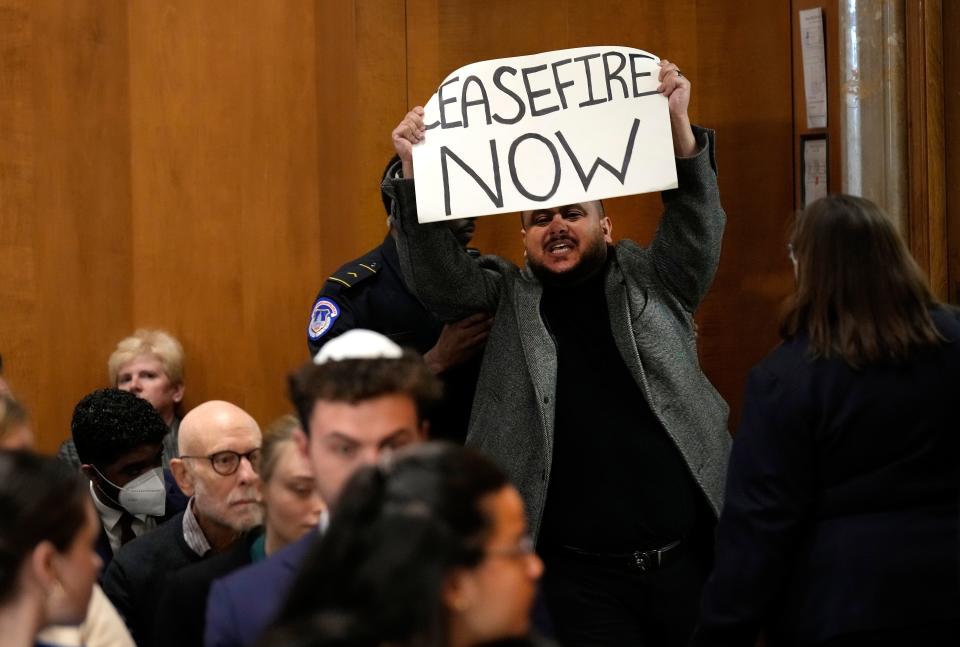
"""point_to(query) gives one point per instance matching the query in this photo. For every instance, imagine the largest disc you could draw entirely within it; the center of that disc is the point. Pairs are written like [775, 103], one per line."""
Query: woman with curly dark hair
[428, 550]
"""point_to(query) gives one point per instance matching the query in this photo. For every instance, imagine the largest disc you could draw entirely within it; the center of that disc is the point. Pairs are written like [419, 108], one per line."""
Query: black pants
[934, 634]
[597, 605]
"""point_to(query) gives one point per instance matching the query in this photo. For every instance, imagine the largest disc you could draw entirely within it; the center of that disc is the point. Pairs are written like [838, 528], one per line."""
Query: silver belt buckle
[642, 561]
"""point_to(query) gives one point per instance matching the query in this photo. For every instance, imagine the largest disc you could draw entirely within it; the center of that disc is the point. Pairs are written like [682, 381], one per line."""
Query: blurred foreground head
[361, 397]
[429, 547]
[47, 559]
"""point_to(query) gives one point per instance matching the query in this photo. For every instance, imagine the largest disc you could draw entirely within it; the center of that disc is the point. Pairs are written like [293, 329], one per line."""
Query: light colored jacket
[102, 627]
[651, 292]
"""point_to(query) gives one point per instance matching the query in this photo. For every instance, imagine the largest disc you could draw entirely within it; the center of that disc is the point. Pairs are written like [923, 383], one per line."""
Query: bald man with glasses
[219, 447]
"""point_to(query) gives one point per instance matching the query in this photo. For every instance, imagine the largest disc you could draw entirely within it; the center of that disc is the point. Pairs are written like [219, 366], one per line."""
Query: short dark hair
[109, 423]
[356, 380]
[860, 295]
[41, 499]
[399, 529]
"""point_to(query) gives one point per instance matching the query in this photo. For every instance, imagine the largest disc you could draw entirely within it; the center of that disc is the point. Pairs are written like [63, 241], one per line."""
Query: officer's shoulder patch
[325, 312]
[353, 273]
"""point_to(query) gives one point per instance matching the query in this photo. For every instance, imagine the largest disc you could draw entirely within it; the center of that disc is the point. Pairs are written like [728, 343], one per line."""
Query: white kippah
[358, 344]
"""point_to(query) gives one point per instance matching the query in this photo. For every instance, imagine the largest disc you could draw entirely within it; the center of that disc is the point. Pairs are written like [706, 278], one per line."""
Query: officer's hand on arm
[409, 131]
[676, 88]
[459, 342]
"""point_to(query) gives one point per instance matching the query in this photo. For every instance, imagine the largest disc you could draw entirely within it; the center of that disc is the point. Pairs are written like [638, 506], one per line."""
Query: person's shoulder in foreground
[242, 604]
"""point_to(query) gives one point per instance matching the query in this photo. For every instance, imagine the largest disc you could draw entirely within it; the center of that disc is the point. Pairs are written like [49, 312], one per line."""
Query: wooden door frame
[927, 214]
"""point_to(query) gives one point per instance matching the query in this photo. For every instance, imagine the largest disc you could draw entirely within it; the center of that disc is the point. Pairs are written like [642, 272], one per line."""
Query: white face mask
[146, 494]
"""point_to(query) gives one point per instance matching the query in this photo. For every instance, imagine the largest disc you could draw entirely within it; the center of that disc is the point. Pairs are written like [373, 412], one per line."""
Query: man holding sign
[591, 394]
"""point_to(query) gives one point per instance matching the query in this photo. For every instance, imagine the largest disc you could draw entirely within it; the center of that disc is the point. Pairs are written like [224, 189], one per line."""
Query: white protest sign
[544, 130]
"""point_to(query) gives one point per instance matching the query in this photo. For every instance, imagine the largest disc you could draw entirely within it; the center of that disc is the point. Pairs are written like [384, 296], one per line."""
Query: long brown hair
[860, 295]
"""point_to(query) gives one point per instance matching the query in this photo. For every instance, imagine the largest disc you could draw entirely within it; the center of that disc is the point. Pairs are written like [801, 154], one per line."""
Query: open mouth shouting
[560, 247]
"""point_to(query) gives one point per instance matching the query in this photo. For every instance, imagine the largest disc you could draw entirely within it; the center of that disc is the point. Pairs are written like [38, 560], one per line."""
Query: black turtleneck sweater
[618, 482]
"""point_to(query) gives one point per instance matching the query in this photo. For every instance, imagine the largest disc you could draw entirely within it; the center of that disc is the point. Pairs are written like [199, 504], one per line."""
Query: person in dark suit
[292, 508]
[362, 397]
[217, 468]
[181, 612]
[119, 441]
[840, 523]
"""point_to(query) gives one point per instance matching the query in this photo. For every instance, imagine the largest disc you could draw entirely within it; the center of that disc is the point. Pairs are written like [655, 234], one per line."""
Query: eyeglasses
[523, 548]
[227, 462]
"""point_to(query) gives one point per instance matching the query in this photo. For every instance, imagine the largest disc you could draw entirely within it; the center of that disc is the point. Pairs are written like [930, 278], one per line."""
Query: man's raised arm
[686, 248]
[435, 266]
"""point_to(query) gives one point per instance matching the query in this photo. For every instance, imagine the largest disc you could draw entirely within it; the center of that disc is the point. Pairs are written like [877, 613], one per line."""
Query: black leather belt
[640, 560]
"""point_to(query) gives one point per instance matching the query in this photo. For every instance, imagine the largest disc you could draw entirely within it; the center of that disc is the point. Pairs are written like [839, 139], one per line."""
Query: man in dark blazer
[241, 605]
[119, 441]
[362, 397]
[219, 453]
[185, 594]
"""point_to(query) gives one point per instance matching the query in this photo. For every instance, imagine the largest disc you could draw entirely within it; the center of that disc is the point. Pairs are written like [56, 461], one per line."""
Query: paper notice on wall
[814, 170]
[814, 66]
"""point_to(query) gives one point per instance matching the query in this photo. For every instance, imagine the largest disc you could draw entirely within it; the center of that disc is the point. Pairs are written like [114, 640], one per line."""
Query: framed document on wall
[814, 166]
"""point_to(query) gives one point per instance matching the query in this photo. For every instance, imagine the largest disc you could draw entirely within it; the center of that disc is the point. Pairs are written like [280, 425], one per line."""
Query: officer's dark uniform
[369, 293]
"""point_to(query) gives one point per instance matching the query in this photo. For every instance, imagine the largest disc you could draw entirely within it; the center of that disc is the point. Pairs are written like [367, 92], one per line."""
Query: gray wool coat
[652, 293]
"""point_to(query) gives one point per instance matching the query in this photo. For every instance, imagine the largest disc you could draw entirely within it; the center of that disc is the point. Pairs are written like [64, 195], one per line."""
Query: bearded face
[566, 244]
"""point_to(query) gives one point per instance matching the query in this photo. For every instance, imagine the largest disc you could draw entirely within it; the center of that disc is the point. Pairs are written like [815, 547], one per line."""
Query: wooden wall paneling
[744, 92]
[362, 95]
[662, 29]
[445, 35]
[226, 202]
[738, 59]
[203, 169]
[18, 214]
[951, 89]
[80, 104]
[926, 214]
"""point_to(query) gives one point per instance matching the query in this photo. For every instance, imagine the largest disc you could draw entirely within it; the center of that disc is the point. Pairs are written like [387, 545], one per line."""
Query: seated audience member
[48, 564]
[292, 503]
[217, 469]
[119, 439]
[15, 430]
[149, 364]
[363, 397]
[430, 547]
[840, 522]
[292, 508]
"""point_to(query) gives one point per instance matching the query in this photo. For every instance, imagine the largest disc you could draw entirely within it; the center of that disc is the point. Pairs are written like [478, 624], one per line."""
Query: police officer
[369, 292]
